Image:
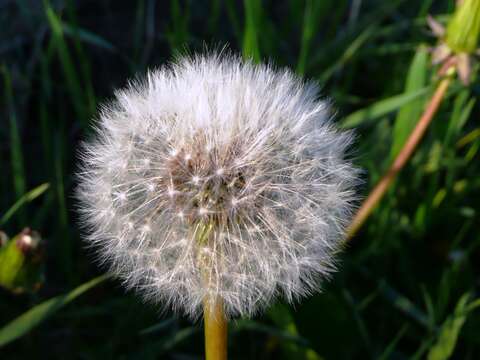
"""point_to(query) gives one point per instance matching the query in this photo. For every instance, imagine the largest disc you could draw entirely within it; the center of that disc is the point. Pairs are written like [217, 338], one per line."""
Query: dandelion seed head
[215, 177]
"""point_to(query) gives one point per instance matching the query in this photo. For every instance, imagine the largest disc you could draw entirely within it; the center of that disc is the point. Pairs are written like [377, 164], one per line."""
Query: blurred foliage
[408, 284]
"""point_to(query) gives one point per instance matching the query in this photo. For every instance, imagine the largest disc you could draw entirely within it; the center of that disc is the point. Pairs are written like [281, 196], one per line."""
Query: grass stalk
[404, 155]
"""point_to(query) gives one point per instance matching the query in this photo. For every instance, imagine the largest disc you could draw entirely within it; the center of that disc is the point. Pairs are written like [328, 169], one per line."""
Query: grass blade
[251, 46]
[462, 108]
[409, 113]
[381, 108]
[450, 330]
[349, 52]
[33, 317]
[30, 196]
[403, 304]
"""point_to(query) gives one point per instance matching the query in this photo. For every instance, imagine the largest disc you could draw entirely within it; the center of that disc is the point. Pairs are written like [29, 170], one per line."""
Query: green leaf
[33, 317]
[409, 113]
[382, 108]
[448, 336]
[30, 196]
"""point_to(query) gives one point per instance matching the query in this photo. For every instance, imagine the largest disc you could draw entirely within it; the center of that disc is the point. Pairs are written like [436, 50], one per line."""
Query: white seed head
[217, 178]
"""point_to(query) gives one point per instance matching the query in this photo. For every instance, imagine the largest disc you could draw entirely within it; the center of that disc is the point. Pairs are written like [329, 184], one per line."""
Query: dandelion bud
[21, 261]
[215, 178]
[464, 28]
[458, 43]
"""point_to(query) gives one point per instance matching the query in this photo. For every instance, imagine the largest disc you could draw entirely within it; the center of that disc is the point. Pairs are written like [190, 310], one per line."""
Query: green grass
[408, 283]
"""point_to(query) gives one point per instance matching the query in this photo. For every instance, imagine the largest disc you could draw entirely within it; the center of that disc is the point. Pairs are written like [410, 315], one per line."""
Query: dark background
[400, 278]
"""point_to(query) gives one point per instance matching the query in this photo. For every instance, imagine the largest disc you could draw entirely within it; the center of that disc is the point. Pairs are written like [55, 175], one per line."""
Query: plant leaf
[409, 113]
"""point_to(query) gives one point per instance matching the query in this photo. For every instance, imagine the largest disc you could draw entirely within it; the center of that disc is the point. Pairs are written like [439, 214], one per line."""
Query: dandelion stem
[215, 330]
[377, 193]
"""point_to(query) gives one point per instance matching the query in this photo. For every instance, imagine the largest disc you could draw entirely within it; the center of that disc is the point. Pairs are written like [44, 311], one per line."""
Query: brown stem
[377, 193]
[215, 330]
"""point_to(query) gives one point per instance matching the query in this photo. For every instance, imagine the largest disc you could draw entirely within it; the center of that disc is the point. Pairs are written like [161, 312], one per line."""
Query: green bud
[464, 27]
[21, 262]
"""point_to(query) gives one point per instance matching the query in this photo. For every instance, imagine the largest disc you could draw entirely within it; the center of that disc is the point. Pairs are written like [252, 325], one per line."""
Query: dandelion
[214, 180]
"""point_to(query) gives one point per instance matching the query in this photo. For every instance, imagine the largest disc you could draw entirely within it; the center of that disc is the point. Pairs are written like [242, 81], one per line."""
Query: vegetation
[408, 284]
